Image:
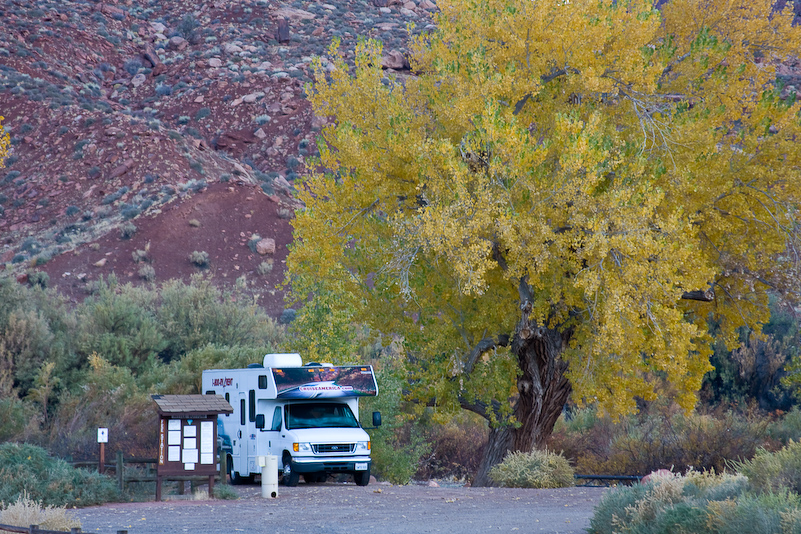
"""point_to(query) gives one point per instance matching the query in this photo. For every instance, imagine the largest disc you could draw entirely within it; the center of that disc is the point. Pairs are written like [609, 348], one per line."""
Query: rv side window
[227, 399]
[252, 405]
[262, 381]
[276, 426]
[211, 392]
[241, 411]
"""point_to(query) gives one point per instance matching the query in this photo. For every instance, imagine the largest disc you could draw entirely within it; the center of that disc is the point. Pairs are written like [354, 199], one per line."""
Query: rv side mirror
[260, 421]
[376, 418]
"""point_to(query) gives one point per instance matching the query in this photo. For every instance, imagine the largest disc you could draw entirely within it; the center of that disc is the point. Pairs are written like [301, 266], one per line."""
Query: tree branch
[545, 78]
[488, 343]
[481, 408]
[703, 296]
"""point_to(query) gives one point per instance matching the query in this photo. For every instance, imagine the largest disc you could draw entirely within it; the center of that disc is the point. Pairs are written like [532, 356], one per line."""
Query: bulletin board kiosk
[188, 437]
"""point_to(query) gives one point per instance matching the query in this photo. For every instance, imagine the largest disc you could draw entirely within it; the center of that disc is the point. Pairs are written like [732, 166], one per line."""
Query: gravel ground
[345, 508]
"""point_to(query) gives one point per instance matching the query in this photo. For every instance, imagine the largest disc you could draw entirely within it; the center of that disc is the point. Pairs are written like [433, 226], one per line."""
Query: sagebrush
[535, 469]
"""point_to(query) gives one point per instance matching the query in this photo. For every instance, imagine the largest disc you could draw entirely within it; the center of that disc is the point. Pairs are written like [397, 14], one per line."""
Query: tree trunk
[542, 390]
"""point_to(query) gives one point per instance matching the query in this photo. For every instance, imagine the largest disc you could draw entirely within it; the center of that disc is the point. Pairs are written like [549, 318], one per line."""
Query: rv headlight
[363, 446]
[302, 447]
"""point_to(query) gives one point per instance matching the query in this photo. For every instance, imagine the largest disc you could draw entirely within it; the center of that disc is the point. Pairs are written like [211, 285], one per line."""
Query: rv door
[242, 437]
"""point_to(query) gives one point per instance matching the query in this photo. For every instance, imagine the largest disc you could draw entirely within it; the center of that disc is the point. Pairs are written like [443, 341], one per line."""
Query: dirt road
[345, 508]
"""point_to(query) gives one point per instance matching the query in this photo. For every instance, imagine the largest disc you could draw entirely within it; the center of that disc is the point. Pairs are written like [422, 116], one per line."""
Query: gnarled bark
[542, 387]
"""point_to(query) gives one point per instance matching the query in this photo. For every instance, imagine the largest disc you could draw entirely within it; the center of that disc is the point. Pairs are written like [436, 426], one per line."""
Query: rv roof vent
[311, 364]
[282, 360]
[255, 366]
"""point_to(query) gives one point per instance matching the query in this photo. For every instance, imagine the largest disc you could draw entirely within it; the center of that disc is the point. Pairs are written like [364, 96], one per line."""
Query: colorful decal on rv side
[324, 382]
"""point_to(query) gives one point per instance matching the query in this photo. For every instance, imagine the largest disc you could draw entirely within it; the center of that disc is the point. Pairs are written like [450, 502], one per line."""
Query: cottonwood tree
[558, 200]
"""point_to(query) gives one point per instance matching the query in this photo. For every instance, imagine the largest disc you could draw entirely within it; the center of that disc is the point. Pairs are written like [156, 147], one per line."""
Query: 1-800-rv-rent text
[306, 415]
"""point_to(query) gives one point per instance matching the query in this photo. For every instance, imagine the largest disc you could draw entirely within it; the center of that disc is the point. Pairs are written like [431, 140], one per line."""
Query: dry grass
[26, 512]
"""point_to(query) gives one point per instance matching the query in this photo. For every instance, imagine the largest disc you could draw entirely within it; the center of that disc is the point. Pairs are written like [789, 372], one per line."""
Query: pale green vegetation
[535, 469]
[759, 499]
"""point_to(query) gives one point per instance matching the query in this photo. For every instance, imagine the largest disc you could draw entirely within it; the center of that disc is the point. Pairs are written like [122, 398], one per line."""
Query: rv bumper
[350, 464]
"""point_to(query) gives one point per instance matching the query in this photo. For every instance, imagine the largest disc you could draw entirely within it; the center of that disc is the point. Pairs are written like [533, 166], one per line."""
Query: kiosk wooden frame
[188, 437]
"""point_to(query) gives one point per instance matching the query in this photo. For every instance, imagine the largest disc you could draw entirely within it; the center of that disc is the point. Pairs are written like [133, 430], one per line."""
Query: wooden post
[223, 468]
[75, 530]
[101, 467]
[33, 528]
[211, 486]
[120, 471]
[158, 488]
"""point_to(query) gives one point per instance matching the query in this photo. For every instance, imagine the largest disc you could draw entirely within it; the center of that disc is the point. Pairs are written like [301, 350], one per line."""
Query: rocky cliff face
[144, 131]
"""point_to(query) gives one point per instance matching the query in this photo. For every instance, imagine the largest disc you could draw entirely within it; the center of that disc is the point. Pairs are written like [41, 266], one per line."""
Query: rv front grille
[333, 447]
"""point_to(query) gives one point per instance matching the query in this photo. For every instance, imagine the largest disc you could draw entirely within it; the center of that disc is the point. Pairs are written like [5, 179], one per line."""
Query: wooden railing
[606, 480]
[124, 476]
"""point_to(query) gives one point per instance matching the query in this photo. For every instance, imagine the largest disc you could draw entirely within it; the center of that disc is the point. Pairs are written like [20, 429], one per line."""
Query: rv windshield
[320, 415]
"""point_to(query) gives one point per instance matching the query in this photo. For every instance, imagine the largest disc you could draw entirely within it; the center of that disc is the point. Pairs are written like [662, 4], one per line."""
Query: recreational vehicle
[306, 415]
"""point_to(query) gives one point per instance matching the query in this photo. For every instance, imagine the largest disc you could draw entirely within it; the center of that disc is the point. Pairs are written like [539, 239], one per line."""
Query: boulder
[265, 246]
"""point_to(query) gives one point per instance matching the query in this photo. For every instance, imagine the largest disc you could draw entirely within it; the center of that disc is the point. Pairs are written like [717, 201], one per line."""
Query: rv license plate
[360, 467]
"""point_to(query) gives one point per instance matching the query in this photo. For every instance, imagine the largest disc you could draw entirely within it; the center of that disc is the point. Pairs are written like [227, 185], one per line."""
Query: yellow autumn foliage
[611, 156]
[4, 143]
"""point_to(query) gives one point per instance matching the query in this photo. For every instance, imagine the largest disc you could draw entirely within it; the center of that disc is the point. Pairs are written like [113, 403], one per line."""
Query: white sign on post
[102, 435]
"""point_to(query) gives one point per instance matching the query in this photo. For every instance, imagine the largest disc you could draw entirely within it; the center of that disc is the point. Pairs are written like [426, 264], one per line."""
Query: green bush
[225, 492]
[29, 470]
[397, 445]
[535, 469]
[199, 258]
[786, 428]
[774, 472]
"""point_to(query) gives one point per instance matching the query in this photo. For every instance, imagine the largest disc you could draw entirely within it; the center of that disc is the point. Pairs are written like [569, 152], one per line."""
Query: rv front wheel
[362, 478]
[291, 478]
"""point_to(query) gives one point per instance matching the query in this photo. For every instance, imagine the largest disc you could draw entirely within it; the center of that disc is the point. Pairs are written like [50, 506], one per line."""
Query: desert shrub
[113, 197]
[535, 469]
[759, 371]
[38, 278]
[200, 259]
[108, 396]
[225, 492]
[265, 267]
[184, 374]
[26, 512]
[120, 323]
[697, 502]
[147, 273]
[198, 314]
[786, 428]
[774, 472]
[139, 256]
[658, 438]
[768, 513]
[457, 446]
[287, 316]
[49, 481]
[202, 113]
[253, 241]
[14, 414]
[398, 444]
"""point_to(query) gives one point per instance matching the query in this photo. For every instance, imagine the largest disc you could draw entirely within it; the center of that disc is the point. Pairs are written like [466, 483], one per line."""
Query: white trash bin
[269, 476]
